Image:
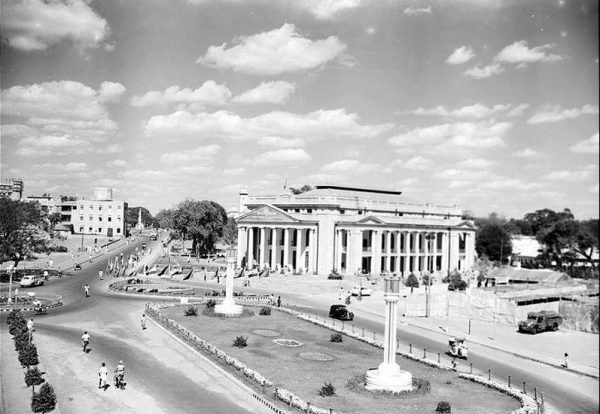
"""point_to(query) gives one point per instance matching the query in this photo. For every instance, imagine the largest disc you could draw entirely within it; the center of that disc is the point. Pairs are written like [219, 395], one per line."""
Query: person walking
[566, 361]
[86, 289]
[143, 321]
[85, 341]
[103, 375]
[100, 274]
[120, 376]
[30, 325]
[279, 301]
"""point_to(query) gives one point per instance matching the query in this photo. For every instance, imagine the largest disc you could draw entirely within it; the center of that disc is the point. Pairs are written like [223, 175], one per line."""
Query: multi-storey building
[352, 230]
[102, 215]
[12, 188]
[47, 203]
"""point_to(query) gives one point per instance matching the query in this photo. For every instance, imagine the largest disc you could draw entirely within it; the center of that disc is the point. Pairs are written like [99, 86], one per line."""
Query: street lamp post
[228, 307]
[388, 376]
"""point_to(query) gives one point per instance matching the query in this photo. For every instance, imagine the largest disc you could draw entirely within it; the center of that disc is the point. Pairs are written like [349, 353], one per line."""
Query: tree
[165, 219]
[33, 377]
[493, 241]
[201, 221]
[45, 400]
[412, 281]
[54, 219]
[131, 218]
[301, 190]
[455, 281]
[230, 232]
[20, 230]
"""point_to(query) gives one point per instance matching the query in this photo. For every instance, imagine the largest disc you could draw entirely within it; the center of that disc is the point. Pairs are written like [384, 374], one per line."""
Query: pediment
[465, 225]
[267, 214]
[370, 220]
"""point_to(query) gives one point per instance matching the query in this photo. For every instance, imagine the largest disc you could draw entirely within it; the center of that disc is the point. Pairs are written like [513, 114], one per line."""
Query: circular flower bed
[288, 342]
[265, 332]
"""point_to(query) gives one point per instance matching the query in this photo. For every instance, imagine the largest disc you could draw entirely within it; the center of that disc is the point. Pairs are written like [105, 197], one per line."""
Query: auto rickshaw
[457, 348]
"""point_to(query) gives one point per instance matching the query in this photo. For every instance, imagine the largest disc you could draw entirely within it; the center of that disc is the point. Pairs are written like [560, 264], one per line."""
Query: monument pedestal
[388, 377]
[228, 308]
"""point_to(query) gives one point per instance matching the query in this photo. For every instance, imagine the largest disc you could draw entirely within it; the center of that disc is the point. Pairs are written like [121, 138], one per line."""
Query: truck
[540, 321]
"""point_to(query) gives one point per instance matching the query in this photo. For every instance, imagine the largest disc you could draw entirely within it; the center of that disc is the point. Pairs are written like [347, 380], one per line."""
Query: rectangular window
[80, 218]
[342, 211]
[118, 218]
[118, 230]
[309, 210]
[80, 229]
[91, 218]
[89, 229]
[109, 218]
[99, 229]
[91, 207]
[119, 207]
[110, 206]
[100, 208]
[100, 218]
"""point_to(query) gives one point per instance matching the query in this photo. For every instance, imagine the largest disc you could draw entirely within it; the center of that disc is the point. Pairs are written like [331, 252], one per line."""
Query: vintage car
[340, 312]
[457, 348]
[363, 291]
[31, 281]
[540, 321]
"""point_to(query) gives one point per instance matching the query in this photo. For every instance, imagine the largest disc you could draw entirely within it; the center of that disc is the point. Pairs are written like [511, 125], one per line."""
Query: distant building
[525, 250]
[102, 215]
[352, 230]
[47, 203]
[12, 188]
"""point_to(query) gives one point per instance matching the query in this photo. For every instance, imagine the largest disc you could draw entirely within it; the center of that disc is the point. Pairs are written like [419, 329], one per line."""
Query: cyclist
[86, 288]
[120, 370]
[85, 341]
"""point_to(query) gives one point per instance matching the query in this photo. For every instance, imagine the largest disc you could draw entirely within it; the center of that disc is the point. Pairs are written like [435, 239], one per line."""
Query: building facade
[102, 215]
[12, 188]
[350, 230]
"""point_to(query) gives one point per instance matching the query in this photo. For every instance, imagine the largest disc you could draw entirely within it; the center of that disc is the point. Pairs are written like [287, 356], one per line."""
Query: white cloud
[349, 166]
[568, 175]
[457, 136]
[416, 11]
[476, 163]
[200, 154]
[234, 171]
[459, 183]
[587, 146]
[278, 142]
[484, 72]
[276, 92]
[272, 53]
[31, 25]
[116, 163]
[461, 55]
[70, 167]
[210, 93]
[520, 53]
[326, 9]
[288, 157]
[418, 163]
[554, 113]
[324, 124]
[475, 111]
[526, 153]
[518, 110]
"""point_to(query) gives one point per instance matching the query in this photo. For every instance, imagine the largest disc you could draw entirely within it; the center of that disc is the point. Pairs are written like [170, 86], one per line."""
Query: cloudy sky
[490, 105]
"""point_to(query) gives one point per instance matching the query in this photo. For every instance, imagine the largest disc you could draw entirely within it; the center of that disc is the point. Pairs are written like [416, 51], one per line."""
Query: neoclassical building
[351, 230]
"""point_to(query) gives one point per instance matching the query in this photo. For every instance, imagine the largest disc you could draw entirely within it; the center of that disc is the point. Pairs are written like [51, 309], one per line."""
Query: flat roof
[364, 190]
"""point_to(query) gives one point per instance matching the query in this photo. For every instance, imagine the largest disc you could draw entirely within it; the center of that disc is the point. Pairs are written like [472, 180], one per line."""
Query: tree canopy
[493, 241]
[131, 218]
[201, 221]
[20, 229]
[301, 190]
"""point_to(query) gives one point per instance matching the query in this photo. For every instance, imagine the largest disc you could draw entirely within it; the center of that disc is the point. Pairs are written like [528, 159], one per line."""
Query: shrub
[334, 275]
[28, 355]
[265, 311]
[45, 400]
[211, 303]
[33, 377]
[59, 249]
[240, 342]
[443, 407]
[191, 311]
[21, 340]
[327, 390]
[412, 281]
[215, 293]
[336, 337]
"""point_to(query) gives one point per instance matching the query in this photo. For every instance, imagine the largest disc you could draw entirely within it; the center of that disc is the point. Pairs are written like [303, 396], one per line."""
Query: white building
[350, 230]
[102, 215]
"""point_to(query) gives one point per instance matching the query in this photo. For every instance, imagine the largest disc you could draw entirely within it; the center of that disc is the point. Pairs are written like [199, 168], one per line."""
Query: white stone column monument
[388, 376]
[228, 307]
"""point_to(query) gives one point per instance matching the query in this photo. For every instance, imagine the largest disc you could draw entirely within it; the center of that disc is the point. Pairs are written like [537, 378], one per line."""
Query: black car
[340, 312]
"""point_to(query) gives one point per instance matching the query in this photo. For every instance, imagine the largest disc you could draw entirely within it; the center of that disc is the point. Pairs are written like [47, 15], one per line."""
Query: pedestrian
[566, 361]
[103, 374]
[86, 289]
[51, 263]
[45, 275]
[143, 321]
[100, 274]
[279, 301]
[30, 325]
[454, 364]
[271, 299]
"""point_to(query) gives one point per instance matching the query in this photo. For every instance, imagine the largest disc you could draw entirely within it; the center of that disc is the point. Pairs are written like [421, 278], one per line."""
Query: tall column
[338, 250]
[312, 251]
[263, 248]
[453, 241]
[376, 252]
[286, 246]
[250, 246]
[354, 252]
[435, 250]
[242, 245]
[426, 251]
[469, 250]
[388, 250]
[445, 252]
[299, 249]
[274, 248]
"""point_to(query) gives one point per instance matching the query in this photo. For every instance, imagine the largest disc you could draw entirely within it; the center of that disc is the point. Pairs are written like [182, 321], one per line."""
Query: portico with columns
[311, 235]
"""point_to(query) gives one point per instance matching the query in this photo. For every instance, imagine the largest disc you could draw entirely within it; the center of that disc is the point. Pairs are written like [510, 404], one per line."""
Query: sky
[489, 105]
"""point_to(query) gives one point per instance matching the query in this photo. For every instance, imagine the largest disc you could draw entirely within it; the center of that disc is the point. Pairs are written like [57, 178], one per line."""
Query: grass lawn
[304, 369]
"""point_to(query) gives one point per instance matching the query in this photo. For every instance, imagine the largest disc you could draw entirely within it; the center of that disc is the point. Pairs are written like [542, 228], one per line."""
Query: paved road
[163, 375]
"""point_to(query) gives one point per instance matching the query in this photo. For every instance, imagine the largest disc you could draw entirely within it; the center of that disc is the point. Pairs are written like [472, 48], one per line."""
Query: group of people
[274, 302]
[119, 375]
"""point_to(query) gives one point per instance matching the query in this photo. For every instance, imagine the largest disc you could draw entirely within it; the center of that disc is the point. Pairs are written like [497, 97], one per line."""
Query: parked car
[153, 236]
[363, 291]
[540, 321]
[340, 312]
[31, 281]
